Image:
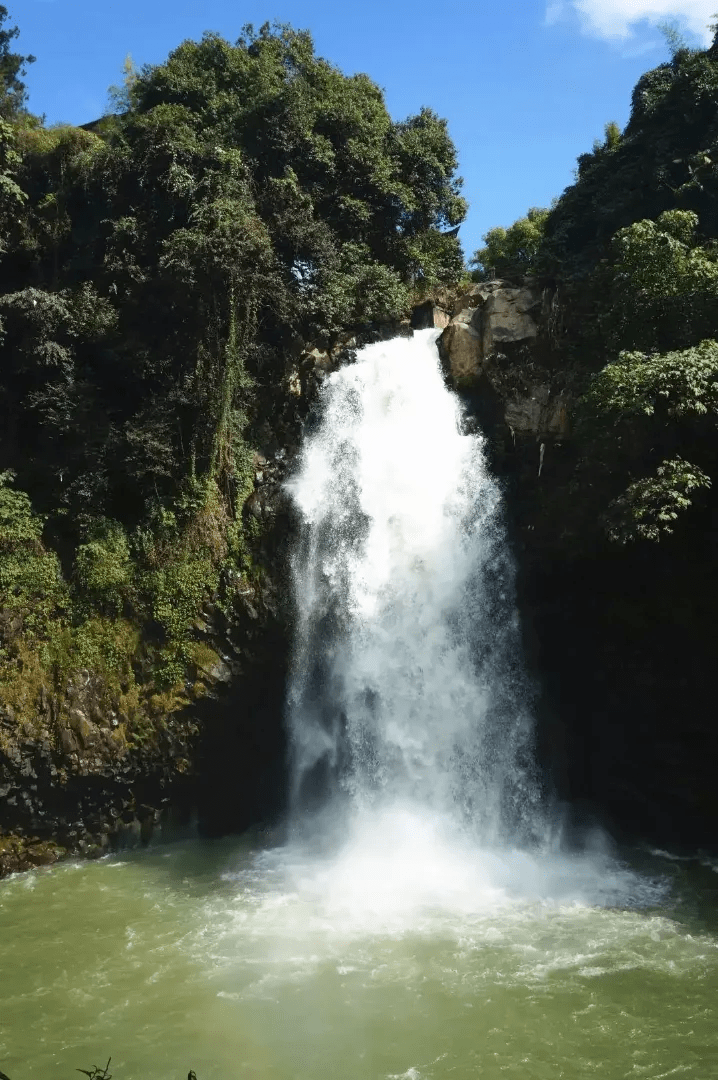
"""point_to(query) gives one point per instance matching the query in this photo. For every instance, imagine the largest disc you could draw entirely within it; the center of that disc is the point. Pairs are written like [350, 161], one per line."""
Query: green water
[212, 958]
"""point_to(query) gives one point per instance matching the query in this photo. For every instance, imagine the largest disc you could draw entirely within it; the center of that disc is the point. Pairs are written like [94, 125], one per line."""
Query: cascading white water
[415, 794]
[408, 688]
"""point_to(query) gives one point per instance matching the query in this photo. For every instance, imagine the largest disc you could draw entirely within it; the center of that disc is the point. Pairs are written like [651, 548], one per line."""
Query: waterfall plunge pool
[430, 931]
[362, 965]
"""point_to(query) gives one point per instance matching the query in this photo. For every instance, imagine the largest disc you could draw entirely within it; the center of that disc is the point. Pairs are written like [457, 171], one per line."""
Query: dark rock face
[71, 784]
[624, 649]
[69, 791]
[621, 640]
[429, 316]
[241, 754]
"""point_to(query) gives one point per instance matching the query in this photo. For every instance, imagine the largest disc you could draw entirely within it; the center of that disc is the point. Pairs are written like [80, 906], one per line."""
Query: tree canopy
[631, 250]
[159, 267]
[514, 251]
[13, 66]
[249, 193]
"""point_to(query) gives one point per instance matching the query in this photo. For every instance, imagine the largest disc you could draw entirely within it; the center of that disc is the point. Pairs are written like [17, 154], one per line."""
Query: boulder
[485, 317]
[461, 346]
[491, 343]
[509, 315]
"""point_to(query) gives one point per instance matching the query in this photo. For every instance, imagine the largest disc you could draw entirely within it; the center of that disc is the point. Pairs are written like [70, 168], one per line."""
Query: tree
[674, 38]
[641, 415]
[11, 194]
[13, 66]
[326, 143]
[660, 284]
[120, 94]
[649, 507]
[513, 251]
[663, 160]
[160, 271]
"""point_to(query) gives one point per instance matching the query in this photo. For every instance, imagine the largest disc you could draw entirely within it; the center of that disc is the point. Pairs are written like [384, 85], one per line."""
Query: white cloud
[615, 20]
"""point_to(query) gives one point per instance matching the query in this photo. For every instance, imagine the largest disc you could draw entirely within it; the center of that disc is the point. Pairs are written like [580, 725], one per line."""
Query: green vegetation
[632, 250]
[156, 273]
[514, 251]
[13, 66]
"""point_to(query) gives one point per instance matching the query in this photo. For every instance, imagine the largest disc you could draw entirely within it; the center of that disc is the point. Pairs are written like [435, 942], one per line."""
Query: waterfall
[407, 688]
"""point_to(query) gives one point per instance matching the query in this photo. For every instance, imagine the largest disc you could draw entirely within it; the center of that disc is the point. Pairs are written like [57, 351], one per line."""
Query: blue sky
[526, 85]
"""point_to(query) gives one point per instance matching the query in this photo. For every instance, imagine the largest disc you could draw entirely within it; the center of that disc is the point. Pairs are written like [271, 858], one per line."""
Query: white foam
[406, 679]
[407, 695]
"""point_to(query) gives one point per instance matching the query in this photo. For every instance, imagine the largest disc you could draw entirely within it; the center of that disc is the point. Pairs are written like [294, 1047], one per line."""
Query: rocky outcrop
[23, 853]
[540, 410]
[71, 784]
[80, 778]
[495, 344]
[619, 639]
[485, 317]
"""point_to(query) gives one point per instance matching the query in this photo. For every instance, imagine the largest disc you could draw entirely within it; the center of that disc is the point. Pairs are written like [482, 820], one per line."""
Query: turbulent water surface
[279, 966]
[423, 919]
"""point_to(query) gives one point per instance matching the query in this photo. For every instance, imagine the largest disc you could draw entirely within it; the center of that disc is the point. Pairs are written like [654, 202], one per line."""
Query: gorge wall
[618, 638]
[80, 777]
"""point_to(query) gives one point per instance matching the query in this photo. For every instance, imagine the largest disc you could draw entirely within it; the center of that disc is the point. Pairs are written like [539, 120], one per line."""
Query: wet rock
[538, 412]
[319, 359]
[19, 853]
[294, 383]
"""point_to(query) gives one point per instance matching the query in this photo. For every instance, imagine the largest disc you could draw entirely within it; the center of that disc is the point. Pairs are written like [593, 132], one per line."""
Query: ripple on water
[257, 963]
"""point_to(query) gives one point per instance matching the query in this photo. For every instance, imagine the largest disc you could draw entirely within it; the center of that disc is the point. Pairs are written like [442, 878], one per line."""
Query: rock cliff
[497, 343]
[618, 637]
[618, 640]
[77, 779]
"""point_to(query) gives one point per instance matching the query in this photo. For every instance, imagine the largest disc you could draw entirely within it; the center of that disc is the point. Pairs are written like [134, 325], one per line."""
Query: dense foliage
[514, 251]
[13, 67]
[632, 248]
[158, 269]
